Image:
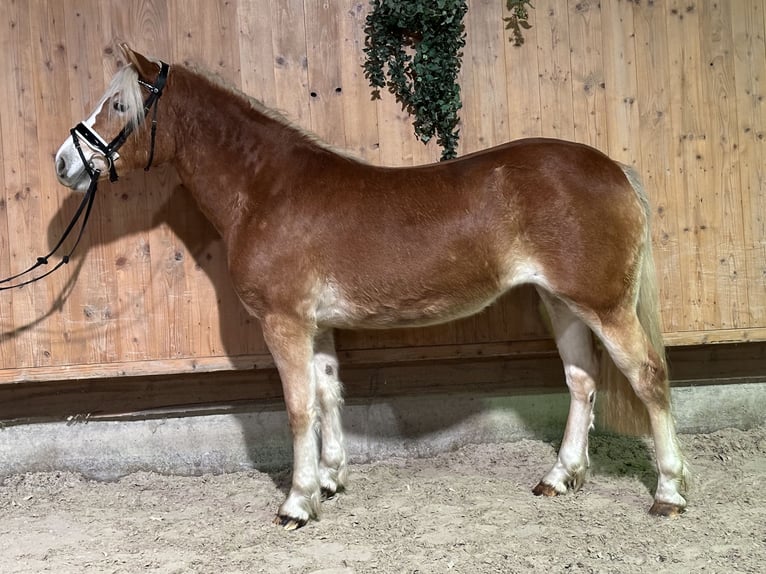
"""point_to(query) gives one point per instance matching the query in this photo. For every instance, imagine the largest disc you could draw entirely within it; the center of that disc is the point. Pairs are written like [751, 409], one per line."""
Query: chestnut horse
[317, 240]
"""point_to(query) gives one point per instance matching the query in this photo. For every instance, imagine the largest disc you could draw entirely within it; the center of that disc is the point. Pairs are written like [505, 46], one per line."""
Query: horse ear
[139, 61]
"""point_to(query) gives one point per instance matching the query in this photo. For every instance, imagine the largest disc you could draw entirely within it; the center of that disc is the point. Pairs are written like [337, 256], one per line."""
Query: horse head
[116, 133]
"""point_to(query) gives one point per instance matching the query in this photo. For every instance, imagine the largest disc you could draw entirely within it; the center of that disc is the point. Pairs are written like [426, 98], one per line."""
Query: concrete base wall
[404, 426]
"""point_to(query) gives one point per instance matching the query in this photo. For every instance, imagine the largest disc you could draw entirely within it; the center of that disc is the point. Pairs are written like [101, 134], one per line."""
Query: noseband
[109, 151]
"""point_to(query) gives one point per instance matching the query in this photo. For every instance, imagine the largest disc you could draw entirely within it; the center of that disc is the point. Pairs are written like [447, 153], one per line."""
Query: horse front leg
[291, 344]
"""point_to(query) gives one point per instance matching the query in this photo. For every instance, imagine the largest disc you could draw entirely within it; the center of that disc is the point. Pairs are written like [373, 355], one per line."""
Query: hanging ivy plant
[518, 19]
[417, 44]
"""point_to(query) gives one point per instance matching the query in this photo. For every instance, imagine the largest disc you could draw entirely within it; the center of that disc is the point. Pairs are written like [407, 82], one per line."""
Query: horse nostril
[61, 166]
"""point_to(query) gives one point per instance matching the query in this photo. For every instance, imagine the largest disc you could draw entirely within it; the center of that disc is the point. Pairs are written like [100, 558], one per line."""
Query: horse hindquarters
[616, 297]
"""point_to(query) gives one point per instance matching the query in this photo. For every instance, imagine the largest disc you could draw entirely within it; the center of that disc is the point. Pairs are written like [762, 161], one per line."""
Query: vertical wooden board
[620, 80]
[524, 314]
[323, 47]
[206, 33]
[171, 330]
[91, 323]
[144, 25]
[69, 343]
[422, 154]
[725, 254]
[127, 206]
[688, 112]
[22, 183]
[658, 162]
[7, 343]
[397, 338]
[174, 330]
[522, 79]
[588, 87]
[397, 140]
[288, 38]
[51, 95]
[121, 247]
[201, 33]
[87, 75]
[484, 94]
[197, 36]
[219, 321]
[228, 328]
[690, 286]
[748, 20]
[399, 146]
[114, 213]
[5, 239]
[555, 71]
[130, 211]
[360, 118]
[256, 55]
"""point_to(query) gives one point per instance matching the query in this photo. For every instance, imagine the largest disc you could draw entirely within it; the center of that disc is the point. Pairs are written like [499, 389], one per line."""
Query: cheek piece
[109, 152]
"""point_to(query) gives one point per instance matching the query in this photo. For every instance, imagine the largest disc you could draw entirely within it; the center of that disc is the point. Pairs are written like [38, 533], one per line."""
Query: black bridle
[109, 152]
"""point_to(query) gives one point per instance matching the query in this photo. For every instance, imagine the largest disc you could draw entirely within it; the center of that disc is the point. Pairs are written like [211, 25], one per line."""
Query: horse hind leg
[575, 344]
[332, 462]
[628, 346]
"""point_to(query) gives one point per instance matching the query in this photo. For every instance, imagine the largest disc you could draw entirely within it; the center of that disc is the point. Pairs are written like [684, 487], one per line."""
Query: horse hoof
[667, 509]
[289, 522]
[328, 493]
[543, 489]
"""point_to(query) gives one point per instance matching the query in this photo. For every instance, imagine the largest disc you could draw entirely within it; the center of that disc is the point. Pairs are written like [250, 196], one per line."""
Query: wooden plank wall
[675, 88]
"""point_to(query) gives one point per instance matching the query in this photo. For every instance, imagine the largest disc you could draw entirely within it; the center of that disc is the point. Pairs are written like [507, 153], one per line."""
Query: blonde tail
[621, 409]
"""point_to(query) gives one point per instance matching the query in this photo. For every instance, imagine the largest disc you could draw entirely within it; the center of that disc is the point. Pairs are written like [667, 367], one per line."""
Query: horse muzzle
[70, 170]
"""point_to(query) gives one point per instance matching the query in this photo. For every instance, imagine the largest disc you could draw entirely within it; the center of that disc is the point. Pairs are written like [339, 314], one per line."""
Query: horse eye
[119, 106]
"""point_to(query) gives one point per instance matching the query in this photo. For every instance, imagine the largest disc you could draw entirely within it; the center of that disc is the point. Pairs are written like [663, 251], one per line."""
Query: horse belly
[337, 309]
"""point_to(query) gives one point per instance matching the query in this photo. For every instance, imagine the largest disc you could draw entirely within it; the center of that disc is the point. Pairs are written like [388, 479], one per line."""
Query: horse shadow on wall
[169, 204]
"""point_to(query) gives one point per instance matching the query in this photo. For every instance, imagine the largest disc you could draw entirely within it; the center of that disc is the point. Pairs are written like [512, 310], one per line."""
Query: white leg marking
[673, 475]
[303, 501]
[332, 463]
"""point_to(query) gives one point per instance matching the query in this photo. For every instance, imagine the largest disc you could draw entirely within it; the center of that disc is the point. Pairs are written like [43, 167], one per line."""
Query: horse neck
[227, 152]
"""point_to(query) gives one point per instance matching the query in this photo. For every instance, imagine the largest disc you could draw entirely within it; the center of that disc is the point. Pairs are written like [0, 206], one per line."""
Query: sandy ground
[467, 511]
